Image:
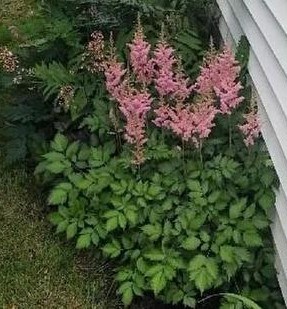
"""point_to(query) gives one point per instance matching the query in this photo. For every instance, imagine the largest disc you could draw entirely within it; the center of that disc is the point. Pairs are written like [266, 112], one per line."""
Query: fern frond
[53, 76]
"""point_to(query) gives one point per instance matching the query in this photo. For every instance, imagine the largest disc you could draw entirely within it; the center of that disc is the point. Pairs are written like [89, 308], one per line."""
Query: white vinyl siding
[264, 23]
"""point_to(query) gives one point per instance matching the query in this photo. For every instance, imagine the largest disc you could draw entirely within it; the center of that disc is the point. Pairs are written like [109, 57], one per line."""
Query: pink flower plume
[220, 74]
[141, 63]
[251, 128]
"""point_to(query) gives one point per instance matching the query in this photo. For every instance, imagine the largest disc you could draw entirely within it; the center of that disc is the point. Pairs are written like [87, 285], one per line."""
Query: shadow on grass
[37, 269]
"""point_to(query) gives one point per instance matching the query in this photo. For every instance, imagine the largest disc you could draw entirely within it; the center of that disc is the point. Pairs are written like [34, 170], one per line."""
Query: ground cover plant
[168, 177]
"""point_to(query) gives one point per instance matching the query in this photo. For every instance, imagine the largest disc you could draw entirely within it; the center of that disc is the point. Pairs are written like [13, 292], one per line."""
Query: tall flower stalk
[156, 81]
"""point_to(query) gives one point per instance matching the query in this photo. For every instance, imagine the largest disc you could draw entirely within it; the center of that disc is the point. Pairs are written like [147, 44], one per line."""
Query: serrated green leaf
[59, 143]
[242, 254]
[236, 209]
[122, 221]
[267, 178]
[80, 181]
[84, 241]
[154, 190]
[95, 238]
[250, 211]
[194, 186]
[65, 186]
[227, 253]
[214, 196]
[202, 279]
[267, 201]
[54, 156]
[137, 291]
[155, 255]
[252, 239]
[72, 230]
[204, 236]
[99, 157]
[57, 196]
[197, 262]
[127, 296]
[112, 224]
[236, 236]
[91, 221]
[191, 243]
[151, 271]
[55, 218]
[119, 188]
[132, 216]
[124, 286]
[158, 282]
[212, 268]
[123, 275]
[203, 271]
[112, 249]
[189, 302]
[153, 231]
[84, 153]
[62, 226]
[56, 167]
[260, 221]
[141, 265]
[87, 230]
[111, 214]
[72, 149]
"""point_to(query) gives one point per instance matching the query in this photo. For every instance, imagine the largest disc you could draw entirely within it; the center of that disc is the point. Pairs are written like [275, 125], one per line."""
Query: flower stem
[230, 132]
[200, 153]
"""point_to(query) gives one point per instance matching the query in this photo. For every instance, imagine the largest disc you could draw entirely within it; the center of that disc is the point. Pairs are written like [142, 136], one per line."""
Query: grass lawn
[38, 270]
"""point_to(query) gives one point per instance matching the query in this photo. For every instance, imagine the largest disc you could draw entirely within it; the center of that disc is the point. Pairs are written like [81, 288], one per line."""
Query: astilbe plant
[188, 212]
[251, 127]
[188, 110]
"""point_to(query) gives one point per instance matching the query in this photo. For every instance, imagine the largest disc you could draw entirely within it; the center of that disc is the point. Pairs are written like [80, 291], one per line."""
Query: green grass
[37, 269]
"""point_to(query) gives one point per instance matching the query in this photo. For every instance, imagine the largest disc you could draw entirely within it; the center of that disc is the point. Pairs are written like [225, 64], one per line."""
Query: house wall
[264, 23]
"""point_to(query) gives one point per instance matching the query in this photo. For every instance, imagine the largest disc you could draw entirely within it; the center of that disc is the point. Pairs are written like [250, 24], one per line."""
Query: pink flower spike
[182, 89]
[251, 128]
[164, 61]
[135, 106]
[204, 115]
[142, 65]
[220, 74]
[168, 82]
[114, 74]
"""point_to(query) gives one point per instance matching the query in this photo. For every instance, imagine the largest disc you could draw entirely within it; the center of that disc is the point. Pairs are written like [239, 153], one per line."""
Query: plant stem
[200, 153]
[208, 297]
[230, 132]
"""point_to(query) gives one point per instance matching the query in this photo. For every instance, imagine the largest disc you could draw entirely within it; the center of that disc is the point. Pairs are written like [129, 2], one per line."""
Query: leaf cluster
[179, 226]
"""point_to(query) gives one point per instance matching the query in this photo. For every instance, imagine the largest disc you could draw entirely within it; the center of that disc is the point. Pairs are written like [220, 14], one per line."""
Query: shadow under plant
[37, 270]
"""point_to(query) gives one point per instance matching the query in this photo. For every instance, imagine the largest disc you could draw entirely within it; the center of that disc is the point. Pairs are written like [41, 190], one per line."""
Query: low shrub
[159, 178]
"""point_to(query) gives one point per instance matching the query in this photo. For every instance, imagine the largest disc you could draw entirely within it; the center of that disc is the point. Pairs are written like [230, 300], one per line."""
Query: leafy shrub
[175, 226]
[181, 216]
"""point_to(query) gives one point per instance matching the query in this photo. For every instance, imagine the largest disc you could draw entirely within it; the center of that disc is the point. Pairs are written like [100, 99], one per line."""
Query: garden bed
[146, 145]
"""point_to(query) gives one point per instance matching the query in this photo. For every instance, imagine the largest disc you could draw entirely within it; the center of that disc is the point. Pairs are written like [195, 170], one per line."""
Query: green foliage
[176, 223]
